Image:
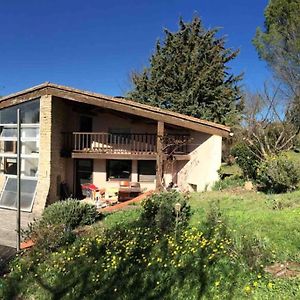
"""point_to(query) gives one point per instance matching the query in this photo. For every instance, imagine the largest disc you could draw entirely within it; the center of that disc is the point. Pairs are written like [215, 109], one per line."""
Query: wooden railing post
[159, 155]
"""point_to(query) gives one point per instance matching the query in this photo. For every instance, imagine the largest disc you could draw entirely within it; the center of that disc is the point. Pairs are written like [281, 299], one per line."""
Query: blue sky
[95, 44]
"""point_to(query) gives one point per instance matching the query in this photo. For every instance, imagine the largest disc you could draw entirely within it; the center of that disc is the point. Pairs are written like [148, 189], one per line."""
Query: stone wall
[44, 167]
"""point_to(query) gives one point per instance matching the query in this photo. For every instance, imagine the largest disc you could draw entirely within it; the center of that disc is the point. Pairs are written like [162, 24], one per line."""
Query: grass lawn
[273, 219]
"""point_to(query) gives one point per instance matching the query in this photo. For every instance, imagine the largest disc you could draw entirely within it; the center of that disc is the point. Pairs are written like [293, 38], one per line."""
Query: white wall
[200, 173]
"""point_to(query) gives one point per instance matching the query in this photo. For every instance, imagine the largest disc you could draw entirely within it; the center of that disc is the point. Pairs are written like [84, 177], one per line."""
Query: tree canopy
[279, 43]
[188, 73]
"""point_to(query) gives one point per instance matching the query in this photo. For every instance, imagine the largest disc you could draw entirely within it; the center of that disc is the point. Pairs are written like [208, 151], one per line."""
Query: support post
[18, 224]
[159, 155]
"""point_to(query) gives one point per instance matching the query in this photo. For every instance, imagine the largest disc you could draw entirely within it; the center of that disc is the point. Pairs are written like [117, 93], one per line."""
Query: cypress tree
[188, 73]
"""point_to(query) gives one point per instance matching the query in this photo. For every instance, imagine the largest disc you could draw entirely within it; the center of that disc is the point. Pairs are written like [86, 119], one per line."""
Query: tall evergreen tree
[188, 73]
[279, 43]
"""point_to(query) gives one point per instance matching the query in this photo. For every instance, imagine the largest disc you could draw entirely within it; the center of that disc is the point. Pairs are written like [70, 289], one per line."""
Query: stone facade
[44, 173]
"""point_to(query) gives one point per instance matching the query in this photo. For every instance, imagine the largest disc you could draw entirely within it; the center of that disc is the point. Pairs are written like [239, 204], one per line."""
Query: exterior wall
[43, 184]
[99, 176]
[200, 172]
[102, 122]
[61, 167]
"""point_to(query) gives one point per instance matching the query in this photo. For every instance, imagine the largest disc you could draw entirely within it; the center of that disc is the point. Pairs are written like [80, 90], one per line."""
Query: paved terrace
[8, 226]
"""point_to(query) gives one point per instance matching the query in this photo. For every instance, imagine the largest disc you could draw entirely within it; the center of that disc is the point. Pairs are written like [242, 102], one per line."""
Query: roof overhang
[122, 105]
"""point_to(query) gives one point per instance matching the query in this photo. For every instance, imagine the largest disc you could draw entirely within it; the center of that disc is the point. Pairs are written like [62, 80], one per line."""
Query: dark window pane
[30, 113]
[10, 165]
[147, 170]
[119, 169]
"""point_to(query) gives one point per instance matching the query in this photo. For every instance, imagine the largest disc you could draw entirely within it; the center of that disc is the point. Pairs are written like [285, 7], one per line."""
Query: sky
[94, 44]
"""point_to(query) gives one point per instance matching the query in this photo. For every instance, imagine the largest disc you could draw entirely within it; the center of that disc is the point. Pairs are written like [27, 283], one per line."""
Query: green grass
[271, 218]
[233, 170]
[295, 157]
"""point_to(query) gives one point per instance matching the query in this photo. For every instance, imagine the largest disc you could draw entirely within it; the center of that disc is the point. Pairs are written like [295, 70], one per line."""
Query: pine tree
[188, 73]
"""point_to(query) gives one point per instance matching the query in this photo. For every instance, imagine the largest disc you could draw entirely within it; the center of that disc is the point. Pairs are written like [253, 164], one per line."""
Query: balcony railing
[120, 143]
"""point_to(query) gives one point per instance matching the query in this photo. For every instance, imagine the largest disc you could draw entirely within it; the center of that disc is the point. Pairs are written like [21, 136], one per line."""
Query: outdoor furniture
[128, 190]
[88, 189]
[111, 194]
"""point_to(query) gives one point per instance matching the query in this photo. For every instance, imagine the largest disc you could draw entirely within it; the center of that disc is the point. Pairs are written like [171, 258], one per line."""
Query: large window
[147, 170]
[117, 169]
[30, 112]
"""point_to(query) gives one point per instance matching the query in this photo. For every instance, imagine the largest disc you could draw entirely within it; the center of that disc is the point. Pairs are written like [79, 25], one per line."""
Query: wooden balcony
[121, 145]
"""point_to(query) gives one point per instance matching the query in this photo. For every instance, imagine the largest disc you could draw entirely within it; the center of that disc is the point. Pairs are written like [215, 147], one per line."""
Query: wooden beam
[160, 154]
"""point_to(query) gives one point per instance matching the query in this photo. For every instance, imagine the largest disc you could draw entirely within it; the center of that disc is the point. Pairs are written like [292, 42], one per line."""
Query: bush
[159, 211]
[277, 174]
[245, 159]
[55, 228]
[71, 213]
[228, 182]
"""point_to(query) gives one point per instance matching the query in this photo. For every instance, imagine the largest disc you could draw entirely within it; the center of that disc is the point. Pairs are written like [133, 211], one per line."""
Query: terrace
[122, 145]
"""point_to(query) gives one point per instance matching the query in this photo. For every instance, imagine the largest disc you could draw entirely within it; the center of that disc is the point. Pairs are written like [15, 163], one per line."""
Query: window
[30, 113]
[10, 165]
[118, 169]
[147, 170]
[10, 146]
[8, 197]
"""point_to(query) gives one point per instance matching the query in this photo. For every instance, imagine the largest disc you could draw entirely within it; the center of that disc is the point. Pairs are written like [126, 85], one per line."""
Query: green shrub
[55, 228]
[246, 159]
[159, 211]
[228, 182]
[71, 213]
[277, 174]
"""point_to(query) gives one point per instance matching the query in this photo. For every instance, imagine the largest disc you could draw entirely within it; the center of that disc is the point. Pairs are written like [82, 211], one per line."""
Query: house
[73, 137]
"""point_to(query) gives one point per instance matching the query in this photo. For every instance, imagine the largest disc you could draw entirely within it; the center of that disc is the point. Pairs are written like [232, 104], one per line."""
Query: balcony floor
[132, 156]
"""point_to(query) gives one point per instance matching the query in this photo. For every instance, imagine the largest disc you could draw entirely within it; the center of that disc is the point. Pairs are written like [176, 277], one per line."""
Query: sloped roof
[122, 105]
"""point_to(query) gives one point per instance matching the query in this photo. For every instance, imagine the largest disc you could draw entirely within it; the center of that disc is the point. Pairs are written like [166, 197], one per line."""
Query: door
[83, 174]
[85, 125]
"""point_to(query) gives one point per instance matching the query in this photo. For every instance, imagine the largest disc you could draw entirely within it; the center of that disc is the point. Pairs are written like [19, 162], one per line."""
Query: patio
[8, 226]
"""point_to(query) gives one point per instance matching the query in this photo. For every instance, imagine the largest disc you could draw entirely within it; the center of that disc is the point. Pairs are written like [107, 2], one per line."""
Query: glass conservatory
[30, 112]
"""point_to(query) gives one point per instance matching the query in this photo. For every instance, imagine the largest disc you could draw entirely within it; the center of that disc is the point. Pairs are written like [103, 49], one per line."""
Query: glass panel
[29, 167]
[30, 113]
[30, 132]
[8, 146]
[119, 169]
[9, 196]
[147, 170]
[8, 132]
[30, 148]
[25, 132]
[8, 165]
